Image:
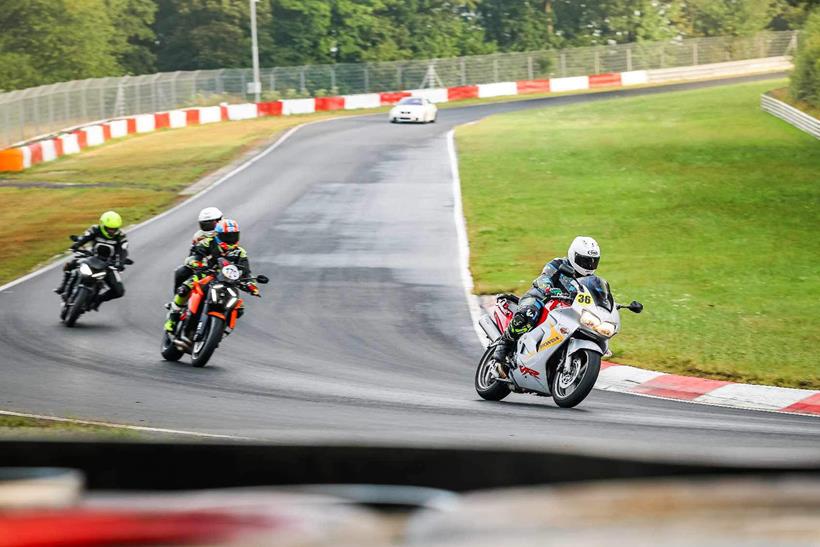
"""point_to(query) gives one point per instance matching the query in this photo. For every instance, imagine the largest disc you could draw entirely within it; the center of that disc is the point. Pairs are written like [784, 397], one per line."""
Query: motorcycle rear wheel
[202, 350]
[77, 306]
[572, 386]
[169, 351]
[486, 385]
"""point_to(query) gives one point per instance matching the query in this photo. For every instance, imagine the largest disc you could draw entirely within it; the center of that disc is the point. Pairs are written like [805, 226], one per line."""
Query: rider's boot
[63, 283]
[502, 353]
[95, 304]
[172, 319]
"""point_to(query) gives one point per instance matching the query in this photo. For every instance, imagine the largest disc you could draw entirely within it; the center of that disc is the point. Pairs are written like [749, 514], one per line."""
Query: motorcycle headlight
[85, 269]
[231, 272]
[605, 329]
[589, 319]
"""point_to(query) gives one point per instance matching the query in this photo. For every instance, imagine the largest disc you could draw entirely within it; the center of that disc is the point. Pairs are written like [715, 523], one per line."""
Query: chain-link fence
[37, 111]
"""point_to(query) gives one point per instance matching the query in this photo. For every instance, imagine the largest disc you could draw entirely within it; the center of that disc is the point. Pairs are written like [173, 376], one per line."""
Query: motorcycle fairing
[535, 349]
[94, 263]
[197, 294]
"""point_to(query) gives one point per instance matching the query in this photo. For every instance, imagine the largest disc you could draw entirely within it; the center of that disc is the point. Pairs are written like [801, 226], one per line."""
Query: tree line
[46, 41]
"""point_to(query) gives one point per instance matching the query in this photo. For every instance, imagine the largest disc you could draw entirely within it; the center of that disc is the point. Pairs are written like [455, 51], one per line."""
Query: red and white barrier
[362, 100]
[94, 135]
[242, 111]
[433, 95]
[209, 114]
[177, 119]
[48, 150]
[575, 83]
[22, 157]
[298, 106]
[501, 89]
[634, 77]
[70, 144]
[118, 128]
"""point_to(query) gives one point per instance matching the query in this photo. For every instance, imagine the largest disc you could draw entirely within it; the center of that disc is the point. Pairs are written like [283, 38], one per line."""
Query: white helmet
[208, 217]
[584, 255]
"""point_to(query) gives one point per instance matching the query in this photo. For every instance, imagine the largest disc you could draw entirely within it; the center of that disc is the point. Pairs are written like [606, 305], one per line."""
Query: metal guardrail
[42, 110]
[790, 114]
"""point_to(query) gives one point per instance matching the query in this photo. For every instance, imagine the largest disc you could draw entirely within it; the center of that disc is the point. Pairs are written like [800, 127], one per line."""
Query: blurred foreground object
[766, 511]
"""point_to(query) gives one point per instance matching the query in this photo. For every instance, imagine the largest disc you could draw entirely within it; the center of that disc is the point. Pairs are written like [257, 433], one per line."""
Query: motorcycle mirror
[73, 237]
[635, 307]
[263, 279]
[128, 261]
[566, 270]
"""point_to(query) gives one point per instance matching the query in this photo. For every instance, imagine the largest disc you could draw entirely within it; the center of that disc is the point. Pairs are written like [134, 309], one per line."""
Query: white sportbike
[561, 356]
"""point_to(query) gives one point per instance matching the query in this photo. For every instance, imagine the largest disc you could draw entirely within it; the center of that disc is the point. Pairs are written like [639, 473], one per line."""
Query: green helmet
[110, 222]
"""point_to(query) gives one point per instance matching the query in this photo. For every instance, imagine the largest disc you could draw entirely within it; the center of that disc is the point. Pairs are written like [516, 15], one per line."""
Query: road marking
[463, 243]
[124, 426]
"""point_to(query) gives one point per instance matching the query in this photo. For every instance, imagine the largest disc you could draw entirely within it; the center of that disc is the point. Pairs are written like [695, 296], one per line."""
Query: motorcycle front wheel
[575, 380]
[205, 346]
[169, 351]
[486, 383]
[76, 306]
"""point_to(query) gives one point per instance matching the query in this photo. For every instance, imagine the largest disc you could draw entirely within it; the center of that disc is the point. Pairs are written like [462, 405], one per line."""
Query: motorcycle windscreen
[599, 289]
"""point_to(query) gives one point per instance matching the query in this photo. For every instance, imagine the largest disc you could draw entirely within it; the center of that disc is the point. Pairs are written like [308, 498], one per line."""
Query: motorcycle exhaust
[488, 326]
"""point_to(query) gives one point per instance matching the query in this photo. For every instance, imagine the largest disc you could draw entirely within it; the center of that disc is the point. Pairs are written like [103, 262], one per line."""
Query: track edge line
[463, 242]
[122, 426]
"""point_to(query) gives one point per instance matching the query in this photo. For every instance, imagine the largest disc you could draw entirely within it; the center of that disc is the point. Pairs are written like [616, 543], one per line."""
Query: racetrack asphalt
[363, 335]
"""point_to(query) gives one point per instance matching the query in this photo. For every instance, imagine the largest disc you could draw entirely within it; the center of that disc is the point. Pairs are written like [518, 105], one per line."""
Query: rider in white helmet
[208, 218]
[581, 260]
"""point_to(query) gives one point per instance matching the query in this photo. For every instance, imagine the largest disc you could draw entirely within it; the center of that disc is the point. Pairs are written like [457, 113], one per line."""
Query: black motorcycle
[213, 308]
[87, 280]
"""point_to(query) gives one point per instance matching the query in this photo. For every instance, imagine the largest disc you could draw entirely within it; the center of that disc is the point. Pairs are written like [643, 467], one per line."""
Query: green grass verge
[17, 426]
[706, 209]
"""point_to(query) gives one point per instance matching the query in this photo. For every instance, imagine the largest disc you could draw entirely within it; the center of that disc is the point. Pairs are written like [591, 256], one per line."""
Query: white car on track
[414, 109]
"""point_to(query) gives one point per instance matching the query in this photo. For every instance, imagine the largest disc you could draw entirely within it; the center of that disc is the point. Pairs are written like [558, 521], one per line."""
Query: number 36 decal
[584, 299]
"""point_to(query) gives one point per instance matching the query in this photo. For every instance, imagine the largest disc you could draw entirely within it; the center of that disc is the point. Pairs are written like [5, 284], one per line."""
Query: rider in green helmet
[108, 241]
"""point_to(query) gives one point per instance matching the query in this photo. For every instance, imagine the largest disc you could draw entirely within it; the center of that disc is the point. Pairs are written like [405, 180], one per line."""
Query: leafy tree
[518, 25]
[617, 21]
[370, 30]
[805, 79]
[792, 14]
[17, 71]
[438, 28]
[301, 31]
[53, 40]
[56, 40]
[361, 31]
[202, 34]
[133, 38]
[727, 17]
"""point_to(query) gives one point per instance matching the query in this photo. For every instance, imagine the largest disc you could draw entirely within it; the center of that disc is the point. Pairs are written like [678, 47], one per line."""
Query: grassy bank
[138, 176]
[706, 209]
[20, 426]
